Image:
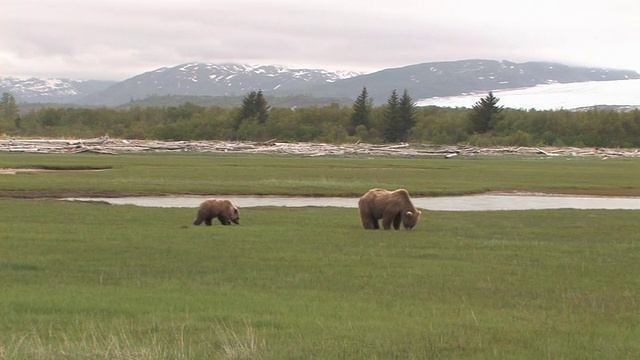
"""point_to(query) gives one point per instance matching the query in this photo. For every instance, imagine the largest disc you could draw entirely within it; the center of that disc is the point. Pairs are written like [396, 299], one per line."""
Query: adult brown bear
[393, 207]
[224, 210]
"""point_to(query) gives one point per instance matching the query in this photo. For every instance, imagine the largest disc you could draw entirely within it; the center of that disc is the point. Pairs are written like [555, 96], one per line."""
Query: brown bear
[393, 207]
[224, 210]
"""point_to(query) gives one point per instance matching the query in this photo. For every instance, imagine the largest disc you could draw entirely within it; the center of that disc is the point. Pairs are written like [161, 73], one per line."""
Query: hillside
[440, 79]
[34, 90]
[314, 87]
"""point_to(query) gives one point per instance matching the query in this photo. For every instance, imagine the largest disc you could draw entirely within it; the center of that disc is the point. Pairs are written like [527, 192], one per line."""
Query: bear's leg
[396, 221]
[207, 221]
[387, 221]
[224, 220]
[368, 221]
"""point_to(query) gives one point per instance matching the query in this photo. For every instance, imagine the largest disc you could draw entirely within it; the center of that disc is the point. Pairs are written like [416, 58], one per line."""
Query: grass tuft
[243, 346]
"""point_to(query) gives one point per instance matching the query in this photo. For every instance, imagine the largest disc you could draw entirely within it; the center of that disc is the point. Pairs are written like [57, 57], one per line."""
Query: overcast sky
[118, 39]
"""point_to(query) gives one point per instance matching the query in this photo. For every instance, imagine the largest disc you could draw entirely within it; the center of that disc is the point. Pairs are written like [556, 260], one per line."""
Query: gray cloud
[117, 39]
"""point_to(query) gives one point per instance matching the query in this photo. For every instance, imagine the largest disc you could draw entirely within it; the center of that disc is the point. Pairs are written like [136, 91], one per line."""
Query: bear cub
[224, 210]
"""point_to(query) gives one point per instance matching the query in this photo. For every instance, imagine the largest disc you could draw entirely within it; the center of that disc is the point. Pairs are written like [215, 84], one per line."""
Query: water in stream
[483, 202]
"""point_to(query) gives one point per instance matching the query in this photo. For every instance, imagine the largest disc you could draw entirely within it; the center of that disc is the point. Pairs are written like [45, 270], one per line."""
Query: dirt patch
[13, 171]
[58, 194]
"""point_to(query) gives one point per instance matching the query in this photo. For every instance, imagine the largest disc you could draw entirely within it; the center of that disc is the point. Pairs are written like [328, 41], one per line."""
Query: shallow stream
[483, 202]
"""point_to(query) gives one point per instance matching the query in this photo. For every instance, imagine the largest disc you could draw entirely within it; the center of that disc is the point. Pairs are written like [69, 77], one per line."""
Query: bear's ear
[409, 214]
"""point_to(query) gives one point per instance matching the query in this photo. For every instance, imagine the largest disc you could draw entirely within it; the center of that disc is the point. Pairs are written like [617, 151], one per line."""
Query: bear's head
[410, 219]
[235, 215]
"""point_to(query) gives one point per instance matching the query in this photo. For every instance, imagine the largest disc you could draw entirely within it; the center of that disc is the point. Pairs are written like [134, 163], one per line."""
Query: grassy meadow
[97, 281]
[180, 173]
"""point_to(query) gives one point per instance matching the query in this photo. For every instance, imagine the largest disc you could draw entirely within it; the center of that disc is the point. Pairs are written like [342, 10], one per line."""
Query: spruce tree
[392, 130]
[361, 114]
[254, 106]
[8, 107]
[485, 113]
[407, 109]
[262, 107]
[9, 113]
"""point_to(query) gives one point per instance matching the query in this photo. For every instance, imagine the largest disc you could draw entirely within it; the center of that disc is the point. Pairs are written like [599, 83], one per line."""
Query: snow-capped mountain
[35, 90]
[202, 79]
[422, 81]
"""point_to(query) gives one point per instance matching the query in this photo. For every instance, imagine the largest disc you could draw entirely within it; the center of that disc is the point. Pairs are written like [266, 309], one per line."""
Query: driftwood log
[106, 145]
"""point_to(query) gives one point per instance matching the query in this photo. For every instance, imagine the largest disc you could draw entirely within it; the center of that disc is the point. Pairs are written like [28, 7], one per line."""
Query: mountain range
[35, 90]
[422, 81]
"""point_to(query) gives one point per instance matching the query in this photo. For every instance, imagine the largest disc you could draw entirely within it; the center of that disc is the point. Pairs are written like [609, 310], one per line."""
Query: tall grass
[120, 340]
[94, 281]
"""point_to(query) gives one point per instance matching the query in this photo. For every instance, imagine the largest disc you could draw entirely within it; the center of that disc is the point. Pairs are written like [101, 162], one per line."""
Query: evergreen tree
[8, 107]
[361, 114]
[485, 113]
[261, 107]
[407, 109]
[9, 113]
[254, 106]
[392, 130]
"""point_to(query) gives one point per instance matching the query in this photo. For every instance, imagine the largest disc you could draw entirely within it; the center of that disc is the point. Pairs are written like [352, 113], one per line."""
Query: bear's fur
[224, 210]
[393, 207]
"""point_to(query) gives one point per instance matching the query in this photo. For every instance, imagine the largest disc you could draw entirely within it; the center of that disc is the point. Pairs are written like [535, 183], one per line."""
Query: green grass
[95, 281]
[293, 175]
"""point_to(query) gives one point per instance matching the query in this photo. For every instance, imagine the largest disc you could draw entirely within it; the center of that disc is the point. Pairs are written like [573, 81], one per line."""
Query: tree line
[399, 120]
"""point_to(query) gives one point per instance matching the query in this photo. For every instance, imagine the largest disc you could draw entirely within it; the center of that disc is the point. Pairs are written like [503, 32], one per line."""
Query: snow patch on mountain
[33, 87]
[553, 96]
[220, 72]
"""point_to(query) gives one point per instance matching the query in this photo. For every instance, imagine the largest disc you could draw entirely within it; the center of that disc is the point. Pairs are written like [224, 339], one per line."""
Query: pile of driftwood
[106, 145]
